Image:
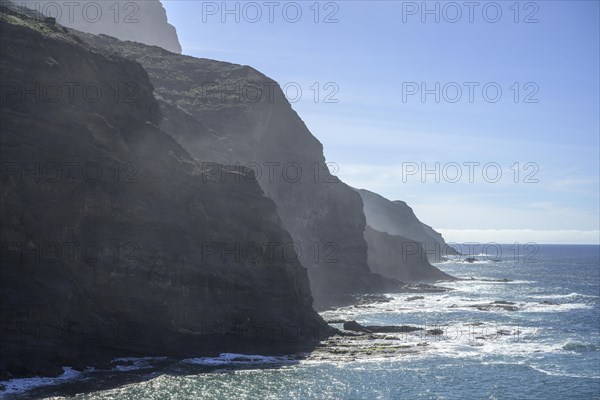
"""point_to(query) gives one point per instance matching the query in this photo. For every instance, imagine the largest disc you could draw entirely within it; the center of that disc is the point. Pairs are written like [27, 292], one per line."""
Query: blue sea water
[548, 348]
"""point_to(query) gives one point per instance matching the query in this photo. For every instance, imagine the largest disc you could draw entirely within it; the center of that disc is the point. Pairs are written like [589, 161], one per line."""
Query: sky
[483, 116]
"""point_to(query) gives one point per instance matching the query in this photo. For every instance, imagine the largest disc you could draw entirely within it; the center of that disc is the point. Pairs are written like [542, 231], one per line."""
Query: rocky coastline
[140, 248]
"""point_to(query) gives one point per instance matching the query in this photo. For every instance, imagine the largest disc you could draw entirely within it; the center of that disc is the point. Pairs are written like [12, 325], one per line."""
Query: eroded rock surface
[106, 221]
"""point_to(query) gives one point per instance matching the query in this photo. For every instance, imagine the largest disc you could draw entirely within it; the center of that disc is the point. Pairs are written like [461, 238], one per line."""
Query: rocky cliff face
[143, 21]
[232, 113]
[115, 241]
[397, 257]
[397, 218]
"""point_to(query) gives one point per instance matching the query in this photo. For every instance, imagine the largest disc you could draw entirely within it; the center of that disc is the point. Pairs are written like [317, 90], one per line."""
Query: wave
[134, 363]
[240, 359]
[560, 373]
[563, 296]
[578, 347]
[21, 385]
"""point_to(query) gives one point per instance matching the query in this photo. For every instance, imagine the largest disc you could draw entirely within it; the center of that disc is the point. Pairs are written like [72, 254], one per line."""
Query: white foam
[235, 358]
[561, 373]
[476, 262]
[22, 385]
[562, 296]
[537, 307]
[462, 343]
[135, 363]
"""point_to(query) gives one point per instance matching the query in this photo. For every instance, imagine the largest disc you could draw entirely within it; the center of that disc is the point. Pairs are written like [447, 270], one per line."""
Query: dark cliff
[397, 257]
[115, 241]
[397, 218]
[143, 21]
[232, 113]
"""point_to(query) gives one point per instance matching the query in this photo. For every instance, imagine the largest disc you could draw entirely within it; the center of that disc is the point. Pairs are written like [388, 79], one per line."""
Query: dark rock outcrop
[356, 327]
[237, 115]
[143, 21]
[393, 328]
[497, 305]
[115, 241]
[435, 332]
[397, 218]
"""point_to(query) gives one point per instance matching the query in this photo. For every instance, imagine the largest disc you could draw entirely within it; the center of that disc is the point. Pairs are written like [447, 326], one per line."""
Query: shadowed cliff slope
[115, 241]
[232, 113]
[397, 218]
[397, 257]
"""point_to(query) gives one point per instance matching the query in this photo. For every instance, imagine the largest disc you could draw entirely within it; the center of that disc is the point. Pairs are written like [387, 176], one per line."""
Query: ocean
[526, 326]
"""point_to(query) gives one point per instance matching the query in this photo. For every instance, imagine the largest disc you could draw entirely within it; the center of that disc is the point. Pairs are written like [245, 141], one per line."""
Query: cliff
[232, 113]
[117, 242]
[400, 258]
[143, 21]
[397, 218]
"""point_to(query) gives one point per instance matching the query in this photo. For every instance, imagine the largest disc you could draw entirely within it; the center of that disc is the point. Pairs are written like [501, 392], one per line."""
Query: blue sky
[382, 134]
